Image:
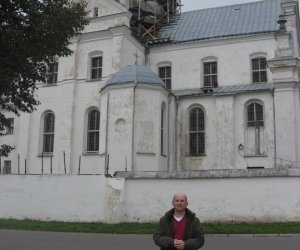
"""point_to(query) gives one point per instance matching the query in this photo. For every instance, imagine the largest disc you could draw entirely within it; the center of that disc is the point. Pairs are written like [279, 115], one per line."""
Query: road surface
[30, 240]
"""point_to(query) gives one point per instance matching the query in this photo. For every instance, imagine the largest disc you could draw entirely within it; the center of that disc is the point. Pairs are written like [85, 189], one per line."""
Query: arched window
[255, 126]
[48, 133]
[163, 130]
[93, 126]
[196, 131]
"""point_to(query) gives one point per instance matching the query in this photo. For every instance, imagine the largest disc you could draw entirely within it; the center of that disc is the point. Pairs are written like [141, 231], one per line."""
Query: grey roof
[135, 74]
[225, 90]
[234, 20]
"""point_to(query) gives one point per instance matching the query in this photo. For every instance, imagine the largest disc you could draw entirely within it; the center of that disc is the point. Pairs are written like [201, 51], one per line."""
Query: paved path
[28, 240]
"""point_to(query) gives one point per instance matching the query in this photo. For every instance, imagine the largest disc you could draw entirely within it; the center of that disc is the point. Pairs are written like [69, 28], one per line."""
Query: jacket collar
[188, 213]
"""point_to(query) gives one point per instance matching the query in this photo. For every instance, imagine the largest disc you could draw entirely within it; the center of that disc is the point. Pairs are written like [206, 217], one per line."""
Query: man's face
[179, 202]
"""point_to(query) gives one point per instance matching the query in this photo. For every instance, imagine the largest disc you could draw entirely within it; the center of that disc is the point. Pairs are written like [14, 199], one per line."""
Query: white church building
[155, 99]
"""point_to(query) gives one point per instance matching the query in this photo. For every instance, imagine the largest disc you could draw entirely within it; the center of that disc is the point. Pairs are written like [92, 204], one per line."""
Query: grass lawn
[147, 228]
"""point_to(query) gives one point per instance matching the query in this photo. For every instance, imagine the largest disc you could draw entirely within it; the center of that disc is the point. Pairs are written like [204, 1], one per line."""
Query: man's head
[180, 202]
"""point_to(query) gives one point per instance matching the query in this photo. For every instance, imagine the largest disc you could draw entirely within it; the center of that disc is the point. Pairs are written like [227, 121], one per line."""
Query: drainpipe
[132, 135]
[274, 125]
[176, 130]
[106, 135]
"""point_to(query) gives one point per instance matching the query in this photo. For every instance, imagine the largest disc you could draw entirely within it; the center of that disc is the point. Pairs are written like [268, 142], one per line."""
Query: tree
[31, 33]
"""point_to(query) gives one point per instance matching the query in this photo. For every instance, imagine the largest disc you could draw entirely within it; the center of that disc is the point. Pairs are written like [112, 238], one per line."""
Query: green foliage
[148, 228]
[31, 33]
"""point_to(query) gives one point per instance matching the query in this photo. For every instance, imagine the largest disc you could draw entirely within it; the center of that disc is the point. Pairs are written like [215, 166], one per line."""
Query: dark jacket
[193, 236]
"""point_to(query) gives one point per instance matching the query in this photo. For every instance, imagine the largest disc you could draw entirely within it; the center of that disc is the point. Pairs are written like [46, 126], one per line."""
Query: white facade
[143, 132]
[130, 134]
[113, 200]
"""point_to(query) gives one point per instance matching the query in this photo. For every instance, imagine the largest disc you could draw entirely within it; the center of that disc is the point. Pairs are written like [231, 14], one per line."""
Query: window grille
[255, 116]
[259, 70]
[210, 74]
[165, 75]
[255, 124]
[48, 141]
[96, 68]
[93, 131]
[196, 132]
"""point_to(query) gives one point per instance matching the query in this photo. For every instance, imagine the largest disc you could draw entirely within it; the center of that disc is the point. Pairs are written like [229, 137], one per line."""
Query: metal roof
[225, 90]
[135, 74]
[234, 20]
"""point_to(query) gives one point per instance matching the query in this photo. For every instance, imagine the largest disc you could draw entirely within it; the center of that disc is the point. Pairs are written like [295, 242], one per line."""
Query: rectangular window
[96, 68]
[165, 75]
[52, 72]
[7, 167]
[259, 70]
[10, 128]
[210, 71]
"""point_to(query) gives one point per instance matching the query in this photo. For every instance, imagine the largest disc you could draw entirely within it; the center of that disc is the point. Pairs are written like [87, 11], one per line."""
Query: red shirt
[179, 228]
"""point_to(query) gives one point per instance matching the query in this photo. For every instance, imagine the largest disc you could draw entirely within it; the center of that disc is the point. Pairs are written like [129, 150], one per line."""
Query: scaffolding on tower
[149, 15]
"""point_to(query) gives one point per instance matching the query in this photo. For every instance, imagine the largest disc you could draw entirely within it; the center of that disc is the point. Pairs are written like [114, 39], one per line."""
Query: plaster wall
[285, 131]
[209, 160]
[147, 128]
[225, 129]
[216, 200]
[119, 129]
[60, 104]
[95, 198]
[86, 97]
[233, 57]
[242, 157]
[61, 198]
[103, 44]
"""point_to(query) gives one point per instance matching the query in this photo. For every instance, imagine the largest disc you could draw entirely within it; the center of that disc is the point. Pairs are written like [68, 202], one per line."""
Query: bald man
[179, 228]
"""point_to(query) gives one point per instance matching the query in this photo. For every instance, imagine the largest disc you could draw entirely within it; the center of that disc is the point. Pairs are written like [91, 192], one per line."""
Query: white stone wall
[61, 198]
[225, 129]
[233, 57]
[216, 200]
[112, 200]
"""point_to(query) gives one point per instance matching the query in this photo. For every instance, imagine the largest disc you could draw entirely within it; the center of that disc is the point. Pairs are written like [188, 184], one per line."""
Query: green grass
[147, 228]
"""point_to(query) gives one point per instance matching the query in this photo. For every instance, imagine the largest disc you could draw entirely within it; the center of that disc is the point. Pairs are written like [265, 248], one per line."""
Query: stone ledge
[202, 174]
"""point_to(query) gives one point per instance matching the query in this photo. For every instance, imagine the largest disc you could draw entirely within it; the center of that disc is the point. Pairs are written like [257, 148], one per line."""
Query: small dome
[135, 74]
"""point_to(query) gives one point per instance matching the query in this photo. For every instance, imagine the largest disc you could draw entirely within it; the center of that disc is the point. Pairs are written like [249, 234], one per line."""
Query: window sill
[255, 156]
[145, 153]
[91, 153]
[196, 156]
[46, 155]
[94, 80]
[46, 85]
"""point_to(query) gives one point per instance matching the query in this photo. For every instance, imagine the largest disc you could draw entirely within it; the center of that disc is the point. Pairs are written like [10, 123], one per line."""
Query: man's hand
[179, 244]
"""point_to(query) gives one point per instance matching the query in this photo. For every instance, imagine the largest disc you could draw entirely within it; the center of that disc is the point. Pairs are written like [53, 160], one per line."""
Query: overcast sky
[203, 4]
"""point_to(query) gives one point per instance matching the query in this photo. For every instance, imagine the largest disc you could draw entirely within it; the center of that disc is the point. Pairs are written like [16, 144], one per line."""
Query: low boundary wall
[132, 198]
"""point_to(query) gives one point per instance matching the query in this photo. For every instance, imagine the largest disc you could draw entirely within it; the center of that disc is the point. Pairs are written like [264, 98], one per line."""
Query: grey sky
[203, 4]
